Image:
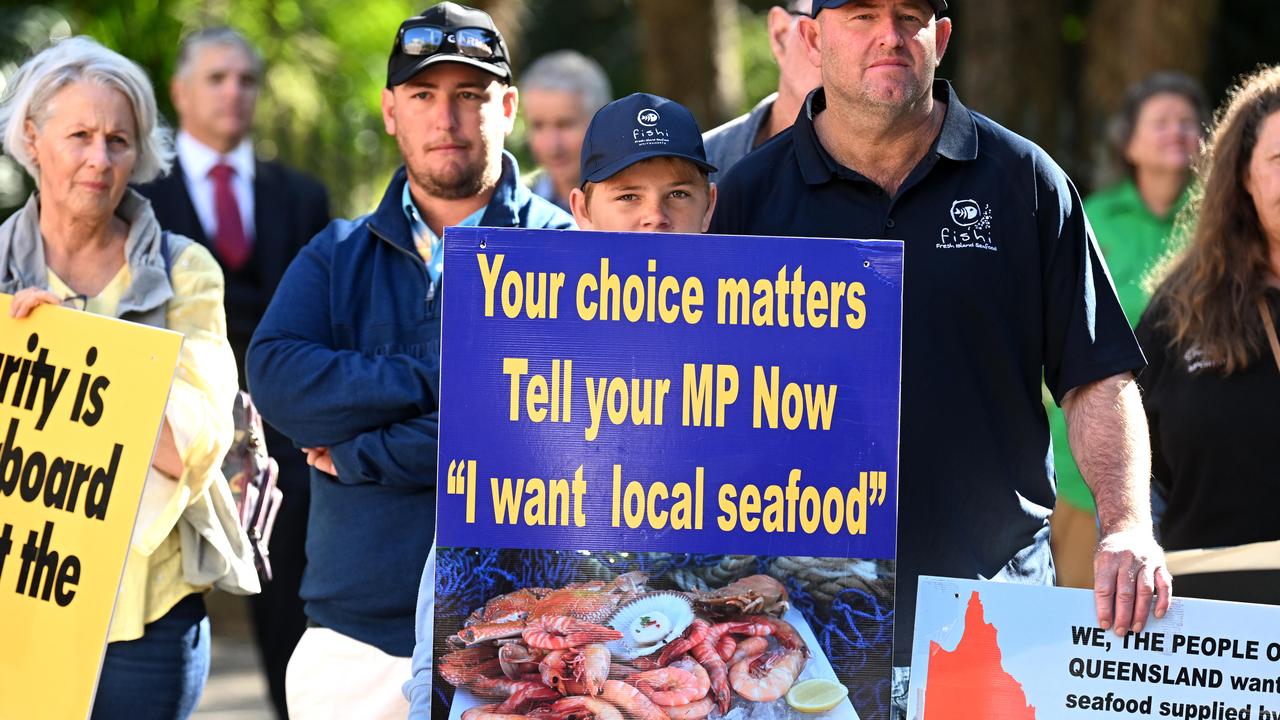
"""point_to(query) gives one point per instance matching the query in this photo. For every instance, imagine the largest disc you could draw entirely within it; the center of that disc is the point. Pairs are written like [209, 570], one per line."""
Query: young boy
[644, 170]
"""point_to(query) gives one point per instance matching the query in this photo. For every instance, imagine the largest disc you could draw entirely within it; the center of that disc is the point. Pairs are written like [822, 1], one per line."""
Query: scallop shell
[648, 623]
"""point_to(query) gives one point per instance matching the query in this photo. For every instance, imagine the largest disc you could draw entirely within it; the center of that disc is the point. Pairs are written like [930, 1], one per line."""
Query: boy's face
[654, 195]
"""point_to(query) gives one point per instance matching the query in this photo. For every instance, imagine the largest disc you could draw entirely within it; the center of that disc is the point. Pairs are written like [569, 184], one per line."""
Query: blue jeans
[161, 674]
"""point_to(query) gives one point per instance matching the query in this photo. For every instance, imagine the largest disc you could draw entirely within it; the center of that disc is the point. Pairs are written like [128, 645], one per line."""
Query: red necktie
[229, 241]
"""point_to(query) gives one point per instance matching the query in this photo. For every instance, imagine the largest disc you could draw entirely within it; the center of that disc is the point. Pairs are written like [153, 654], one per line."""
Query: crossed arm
[1108, 434]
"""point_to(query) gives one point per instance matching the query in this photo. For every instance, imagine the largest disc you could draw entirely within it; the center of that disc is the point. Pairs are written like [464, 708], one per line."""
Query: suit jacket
[289, 208]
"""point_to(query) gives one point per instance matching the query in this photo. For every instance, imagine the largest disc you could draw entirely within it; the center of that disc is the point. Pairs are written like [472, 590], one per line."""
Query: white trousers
[335, 677]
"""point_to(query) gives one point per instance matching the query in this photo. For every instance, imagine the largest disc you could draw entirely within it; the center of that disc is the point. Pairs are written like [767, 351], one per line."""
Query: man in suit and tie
[255, 215]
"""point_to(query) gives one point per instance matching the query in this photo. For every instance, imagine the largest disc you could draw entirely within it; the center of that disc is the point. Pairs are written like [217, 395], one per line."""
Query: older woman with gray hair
[82, 120]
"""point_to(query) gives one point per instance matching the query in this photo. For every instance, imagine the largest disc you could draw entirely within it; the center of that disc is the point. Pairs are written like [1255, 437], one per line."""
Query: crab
[752, 595]
[508, 615]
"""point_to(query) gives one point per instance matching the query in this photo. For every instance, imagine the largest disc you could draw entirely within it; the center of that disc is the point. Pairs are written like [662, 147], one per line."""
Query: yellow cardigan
[199, 412]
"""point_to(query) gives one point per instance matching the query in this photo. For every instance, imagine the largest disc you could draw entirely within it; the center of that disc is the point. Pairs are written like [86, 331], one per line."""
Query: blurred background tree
[1053, 70]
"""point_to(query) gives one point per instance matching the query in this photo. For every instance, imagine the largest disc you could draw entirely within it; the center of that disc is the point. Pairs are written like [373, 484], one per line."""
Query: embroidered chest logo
[968, 226]
[1197, 360]
[648, 132]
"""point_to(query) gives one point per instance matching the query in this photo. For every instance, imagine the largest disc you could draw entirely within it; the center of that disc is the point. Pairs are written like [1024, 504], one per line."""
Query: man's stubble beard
[469, 182]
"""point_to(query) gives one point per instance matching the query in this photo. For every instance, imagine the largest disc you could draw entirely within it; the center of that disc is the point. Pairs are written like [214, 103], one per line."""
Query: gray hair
[570, 71]
[80, 59]
[192, 44]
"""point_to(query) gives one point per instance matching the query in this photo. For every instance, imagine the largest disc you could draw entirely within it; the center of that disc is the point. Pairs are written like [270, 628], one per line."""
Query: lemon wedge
[816, 695]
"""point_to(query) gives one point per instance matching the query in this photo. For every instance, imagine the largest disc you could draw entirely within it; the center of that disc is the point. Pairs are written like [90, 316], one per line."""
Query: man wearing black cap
[644, 169]
[346, 361]
[1004, 286]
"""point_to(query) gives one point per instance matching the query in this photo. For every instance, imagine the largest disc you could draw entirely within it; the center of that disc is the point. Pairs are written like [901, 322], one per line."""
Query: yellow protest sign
[81, 401]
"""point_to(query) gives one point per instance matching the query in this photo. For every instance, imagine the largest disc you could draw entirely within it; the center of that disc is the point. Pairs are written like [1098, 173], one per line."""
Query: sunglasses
[472, 42]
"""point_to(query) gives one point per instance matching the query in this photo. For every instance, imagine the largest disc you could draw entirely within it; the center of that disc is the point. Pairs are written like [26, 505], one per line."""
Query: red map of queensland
[970, 682]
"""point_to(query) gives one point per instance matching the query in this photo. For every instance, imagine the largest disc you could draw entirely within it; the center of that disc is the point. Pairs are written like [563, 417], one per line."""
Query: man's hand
[1108, 433]
[1128, 569]
[320, 459]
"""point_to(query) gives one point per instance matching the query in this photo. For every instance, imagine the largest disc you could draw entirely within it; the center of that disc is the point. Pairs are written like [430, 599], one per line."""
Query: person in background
[254, 215]
[657, 188]
[1212, 385]
[1155, 138]
[560, 91]
[82, 120]
[346, 361]
[797, 77]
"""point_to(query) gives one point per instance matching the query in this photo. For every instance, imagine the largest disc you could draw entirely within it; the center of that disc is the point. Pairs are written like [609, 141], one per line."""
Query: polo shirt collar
[958, 139]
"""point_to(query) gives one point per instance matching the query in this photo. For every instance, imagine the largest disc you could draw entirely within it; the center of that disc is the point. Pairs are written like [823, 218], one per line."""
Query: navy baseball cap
[638, 127]
[938, 5]
[447, 32]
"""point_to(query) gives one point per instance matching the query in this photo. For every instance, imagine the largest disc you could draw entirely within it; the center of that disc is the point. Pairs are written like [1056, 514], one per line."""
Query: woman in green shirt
[1155, 139]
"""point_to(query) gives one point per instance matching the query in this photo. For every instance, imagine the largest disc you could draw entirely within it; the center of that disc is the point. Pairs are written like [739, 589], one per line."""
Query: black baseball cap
[447, 32]
[939, 6]
[638, 127]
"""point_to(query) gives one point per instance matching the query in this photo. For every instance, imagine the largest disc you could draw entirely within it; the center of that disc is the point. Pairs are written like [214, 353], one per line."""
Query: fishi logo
[970, 227]
[648, 133]
[965, 212]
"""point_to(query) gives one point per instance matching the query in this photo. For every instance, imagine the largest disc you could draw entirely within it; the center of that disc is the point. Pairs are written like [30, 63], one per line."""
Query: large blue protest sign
[648, 436]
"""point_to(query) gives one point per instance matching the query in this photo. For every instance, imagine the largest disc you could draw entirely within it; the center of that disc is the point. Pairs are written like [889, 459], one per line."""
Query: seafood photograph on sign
[657, 636]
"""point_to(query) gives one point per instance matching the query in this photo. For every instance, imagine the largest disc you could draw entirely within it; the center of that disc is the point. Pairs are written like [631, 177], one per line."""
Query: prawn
[695, 635]
[633, 703]
[699, 673]
[696, 710]
[561, 631]
[526, 696]
[668, 686]
[749, 647]
[781, 630]
[489, 712]
[717, 672]
[576, 671]
[581, 708]
[767, 677]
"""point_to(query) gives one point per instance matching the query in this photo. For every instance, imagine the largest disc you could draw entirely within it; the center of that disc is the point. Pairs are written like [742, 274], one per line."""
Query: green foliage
[325, 68]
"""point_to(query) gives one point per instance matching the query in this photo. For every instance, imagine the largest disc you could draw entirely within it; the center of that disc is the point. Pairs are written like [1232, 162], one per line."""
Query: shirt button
[889, 223]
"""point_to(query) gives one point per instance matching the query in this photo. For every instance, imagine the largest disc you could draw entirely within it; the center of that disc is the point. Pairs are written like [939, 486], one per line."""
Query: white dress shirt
[197, 160]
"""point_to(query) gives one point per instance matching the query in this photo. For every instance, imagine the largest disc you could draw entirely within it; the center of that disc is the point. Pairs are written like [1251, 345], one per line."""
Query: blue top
[1003, 284]
[430, 246]
[348, 357]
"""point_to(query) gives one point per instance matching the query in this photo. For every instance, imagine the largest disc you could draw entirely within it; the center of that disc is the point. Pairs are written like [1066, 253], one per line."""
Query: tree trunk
[1011, 67]
[690, 53]
[1130, 39]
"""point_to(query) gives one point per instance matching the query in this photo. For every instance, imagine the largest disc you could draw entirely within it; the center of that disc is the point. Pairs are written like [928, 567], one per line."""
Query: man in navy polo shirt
[1004, 285]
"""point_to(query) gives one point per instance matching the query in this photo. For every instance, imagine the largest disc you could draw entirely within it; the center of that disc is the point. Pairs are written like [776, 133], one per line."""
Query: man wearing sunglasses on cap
[346, 361]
